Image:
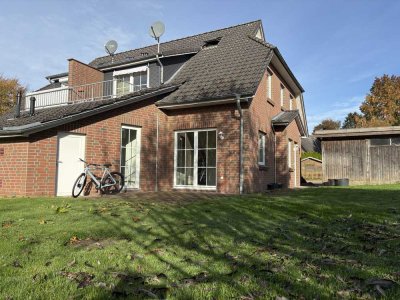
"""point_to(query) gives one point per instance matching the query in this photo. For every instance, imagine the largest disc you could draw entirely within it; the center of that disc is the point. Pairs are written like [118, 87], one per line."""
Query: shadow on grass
[310, 243]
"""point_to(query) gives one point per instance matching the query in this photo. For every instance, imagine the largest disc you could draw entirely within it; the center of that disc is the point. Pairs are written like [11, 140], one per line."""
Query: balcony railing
[75, 94]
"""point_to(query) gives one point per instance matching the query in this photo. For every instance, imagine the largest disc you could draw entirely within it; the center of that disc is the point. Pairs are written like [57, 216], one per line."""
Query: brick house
[219, 111]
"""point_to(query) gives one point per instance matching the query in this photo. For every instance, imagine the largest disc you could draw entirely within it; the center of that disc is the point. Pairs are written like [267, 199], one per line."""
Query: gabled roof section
[179, 46]
[286, 117]
[235, 66]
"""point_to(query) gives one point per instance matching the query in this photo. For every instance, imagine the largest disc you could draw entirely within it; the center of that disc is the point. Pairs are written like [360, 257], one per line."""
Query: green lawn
[314, 243]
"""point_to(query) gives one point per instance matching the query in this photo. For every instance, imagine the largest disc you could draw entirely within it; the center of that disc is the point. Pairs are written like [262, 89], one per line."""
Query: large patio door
[130, 155]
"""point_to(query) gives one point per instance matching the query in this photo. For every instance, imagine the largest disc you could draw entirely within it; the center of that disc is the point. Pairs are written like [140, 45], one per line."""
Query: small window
[290, 153]
[269, 84]
[282, 95]
[261, 149]
[291, 102]
[380, 142]
[395, 141]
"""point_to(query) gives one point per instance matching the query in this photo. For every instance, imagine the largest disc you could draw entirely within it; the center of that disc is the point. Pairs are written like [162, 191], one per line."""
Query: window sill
[195, 188]
[262, 168]
[270, 101]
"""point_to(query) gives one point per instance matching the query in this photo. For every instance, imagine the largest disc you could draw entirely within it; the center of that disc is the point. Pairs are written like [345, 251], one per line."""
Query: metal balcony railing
[82, 93]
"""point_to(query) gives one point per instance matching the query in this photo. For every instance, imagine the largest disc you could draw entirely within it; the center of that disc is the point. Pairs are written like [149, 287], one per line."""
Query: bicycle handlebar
[95, 165]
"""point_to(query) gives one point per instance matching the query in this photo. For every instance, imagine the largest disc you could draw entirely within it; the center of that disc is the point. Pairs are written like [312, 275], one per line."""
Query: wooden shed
[363, 155]
[311, 169]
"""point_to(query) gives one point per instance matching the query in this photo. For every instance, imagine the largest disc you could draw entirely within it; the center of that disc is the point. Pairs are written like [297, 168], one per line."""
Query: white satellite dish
[111, 47]
[157, 29]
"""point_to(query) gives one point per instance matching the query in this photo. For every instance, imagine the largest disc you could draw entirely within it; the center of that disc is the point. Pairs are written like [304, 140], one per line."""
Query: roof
[57, 75]
[54, 116]
[183, 45]
[311, 144]
[358, 132]
[50, 86]
[312, 158]
[286, 117]
[218, 70]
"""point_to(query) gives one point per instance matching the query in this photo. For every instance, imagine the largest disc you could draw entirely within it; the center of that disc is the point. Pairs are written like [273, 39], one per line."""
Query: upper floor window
[282, 95]
[291, 102]
[131, 80]
[261, 149]
[269, 84]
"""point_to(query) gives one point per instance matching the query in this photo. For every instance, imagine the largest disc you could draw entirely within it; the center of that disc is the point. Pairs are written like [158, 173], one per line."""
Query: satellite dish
[111, 47]
[157, 29]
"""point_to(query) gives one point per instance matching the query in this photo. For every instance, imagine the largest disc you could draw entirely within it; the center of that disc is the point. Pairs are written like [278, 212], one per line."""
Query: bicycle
[109, 183]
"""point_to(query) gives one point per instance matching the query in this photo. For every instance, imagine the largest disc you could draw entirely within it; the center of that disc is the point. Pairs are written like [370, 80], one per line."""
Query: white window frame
[282, 95]
[131, 73]
[290, 142]
[139, 146]
[261, 160]
[195, 185]
[269, 84]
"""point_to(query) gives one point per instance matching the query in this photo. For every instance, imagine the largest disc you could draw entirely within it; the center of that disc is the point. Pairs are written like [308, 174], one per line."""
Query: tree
[353, 120]
[9, 88]
[327, 124]
[382, 105]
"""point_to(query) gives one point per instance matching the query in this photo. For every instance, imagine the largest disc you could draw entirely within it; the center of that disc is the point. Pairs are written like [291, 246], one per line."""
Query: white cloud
[338, 111]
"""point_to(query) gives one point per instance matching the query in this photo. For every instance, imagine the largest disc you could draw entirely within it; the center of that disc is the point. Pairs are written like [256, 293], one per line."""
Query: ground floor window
[196, 158]
[261, 148]
[289, 155]
[130, 155]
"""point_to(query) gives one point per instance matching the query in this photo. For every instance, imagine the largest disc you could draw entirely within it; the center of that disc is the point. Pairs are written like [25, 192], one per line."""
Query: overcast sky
[334, 48]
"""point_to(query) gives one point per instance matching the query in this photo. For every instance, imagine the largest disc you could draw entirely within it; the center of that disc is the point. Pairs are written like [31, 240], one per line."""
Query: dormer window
[130, 80]
[211, 43]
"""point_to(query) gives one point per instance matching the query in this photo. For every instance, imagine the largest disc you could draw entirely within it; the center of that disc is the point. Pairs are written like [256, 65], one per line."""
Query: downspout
[161, 69]
[241, 144]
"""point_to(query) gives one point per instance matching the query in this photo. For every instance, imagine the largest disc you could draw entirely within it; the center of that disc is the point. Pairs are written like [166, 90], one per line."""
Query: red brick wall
[80, 74]
[258, 118]
[36, 159]
[277, 80]
[223, 118]
[103, 145]
[13, 167]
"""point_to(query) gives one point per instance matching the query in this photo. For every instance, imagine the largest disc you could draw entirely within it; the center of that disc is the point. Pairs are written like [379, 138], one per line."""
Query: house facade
[218, 112]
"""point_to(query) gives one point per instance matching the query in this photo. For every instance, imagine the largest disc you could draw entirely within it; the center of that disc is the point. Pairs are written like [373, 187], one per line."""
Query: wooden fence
[360, 161]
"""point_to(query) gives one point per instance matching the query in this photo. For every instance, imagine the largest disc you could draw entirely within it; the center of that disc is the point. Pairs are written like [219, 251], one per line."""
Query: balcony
[82, 93]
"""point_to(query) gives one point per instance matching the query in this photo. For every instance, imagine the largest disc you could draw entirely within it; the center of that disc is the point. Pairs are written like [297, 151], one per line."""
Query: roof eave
[202, 103]
[285, 65]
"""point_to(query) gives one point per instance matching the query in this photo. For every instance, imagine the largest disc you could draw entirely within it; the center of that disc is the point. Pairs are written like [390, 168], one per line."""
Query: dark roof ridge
[182, 38]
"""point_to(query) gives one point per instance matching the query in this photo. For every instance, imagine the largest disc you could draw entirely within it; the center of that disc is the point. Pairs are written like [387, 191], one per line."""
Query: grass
[314, 243]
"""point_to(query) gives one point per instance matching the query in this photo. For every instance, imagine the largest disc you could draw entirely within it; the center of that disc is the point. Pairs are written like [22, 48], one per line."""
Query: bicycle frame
[106, 172]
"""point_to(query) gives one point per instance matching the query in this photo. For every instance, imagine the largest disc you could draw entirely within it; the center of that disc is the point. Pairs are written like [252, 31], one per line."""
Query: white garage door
[71, 147]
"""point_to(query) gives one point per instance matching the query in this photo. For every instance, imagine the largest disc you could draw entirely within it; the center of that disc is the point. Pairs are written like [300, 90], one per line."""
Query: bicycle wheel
[117, 187]
[79, 185]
